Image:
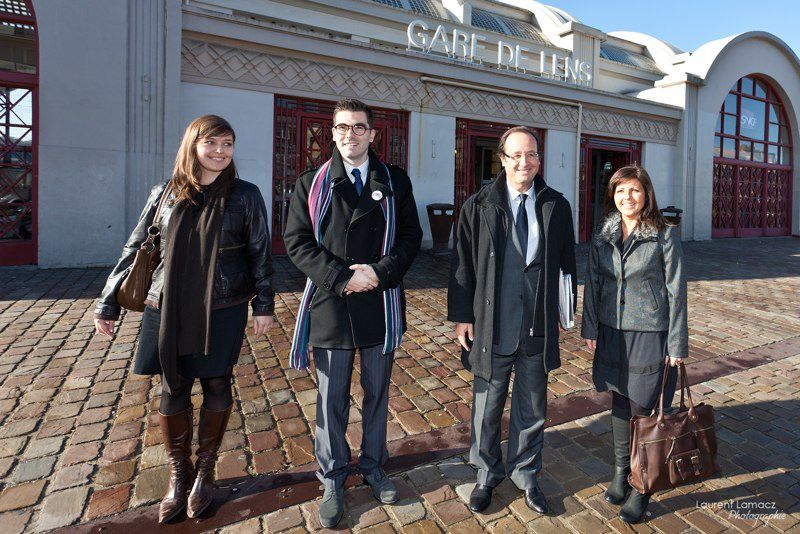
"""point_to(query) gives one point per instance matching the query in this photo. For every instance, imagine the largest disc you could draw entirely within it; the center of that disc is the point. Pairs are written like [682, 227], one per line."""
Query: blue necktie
[357, 182]
[522, 226]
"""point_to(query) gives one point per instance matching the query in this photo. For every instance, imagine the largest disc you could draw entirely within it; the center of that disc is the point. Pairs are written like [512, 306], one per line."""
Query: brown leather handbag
[673, 449]
[133, 290]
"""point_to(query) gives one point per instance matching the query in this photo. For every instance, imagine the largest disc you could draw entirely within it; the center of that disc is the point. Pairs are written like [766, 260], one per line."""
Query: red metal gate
[18, 134]
[631, 152]
[303, 141]
[752, 181]
[751, 200]
[467, 134]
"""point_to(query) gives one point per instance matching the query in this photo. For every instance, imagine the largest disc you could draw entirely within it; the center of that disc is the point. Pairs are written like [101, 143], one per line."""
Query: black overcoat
[476, 266]
[353, 233]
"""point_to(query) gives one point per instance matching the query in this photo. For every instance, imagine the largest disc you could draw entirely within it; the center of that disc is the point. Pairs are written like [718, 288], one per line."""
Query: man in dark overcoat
[353, 230]
[513, 239]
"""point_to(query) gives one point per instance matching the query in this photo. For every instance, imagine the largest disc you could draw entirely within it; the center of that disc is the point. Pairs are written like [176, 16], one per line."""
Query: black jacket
[353, 233]
[476, 266]
[244, 264]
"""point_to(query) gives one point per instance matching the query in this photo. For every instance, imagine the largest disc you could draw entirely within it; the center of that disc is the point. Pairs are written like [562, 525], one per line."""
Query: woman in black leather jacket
[215, 258]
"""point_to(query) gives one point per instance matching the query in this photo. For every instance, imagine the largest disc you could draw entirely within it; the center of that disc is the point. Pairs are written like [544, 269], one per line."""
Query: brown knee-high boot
[210, 431]
[177, 432]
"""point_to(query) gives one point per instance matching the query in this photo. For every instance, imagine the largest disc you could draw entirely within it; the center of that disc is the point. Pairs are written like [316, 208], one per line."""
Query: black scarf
[190, 258]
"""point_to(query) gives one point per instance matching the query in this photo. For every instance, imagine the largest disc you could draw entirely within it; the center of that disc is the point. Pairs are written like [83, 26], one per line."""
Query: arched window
[18, 88]
[752, 163]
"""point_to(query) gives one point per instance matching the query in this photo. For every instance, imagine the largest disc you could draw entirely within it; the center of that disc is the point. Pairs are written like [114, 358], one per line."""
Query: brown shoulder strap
[164, 195]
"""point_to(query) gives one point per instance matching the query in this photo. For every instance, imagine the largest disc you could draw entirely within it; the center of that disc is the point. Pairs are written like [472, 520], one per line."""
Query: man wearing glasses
[513, 237]
[353, 230]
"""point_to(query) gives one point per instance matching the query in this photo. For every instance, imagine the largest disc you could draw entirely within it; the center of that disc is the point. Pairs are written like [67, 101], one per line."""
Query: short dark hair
[516, 129]
[351, 104]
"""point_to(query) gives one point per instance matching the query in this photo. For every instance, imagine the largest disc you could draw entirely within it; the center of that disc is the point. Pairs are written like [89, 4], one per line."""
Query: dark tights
[216, 395]
[625, 408]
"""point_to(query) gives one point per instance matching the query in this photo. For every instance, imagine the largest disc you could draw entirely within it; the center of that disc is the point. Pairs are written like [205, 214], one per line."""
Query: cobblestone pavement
[78, 439]
[758, 432]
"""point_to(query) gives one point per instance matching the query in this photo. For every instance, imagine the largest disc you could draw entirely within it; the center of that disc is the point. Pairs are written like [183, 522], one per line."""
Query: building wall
[620, 84]
[750, 56]
[82, 132]
[97, 118]
[559, 163]
[251, 114]
[431, 163]
[659, 161]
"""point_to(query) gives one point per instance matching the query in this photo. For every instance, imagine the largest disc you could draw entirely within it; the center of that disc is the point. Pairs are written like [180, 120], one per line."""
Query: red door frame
[588, 143]
[735, 228]
[25, 252]
[468, 131]
[299, 113]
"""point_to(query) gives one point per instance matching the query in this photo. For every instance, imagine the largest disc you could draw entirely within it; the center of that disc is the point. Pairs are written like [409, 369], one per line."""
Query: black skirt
[632, 364]
[227, 334]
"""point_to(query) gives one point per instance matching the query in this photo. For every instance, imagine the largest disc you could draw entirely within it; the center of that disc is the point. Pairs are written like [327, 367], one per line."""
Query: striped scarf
[319, 202]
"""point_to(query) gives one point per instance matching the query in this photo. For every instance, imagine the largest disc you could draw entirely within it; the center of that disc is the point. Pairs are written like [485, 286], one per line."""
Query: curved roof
[702, 60]
[561, 14]
[618, 54]
[500, 24]
[662, 52]
[423, 7]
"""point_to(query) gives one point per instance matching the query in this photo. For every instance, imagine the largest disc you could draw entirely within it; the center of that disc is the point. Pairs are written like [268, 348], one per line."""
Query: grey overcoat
[650, 297]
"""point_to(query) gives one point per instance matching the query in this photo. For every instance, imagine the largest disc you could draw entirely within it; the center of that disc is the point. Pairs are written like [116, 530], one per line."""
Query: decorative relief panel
[491, 105]
[622, 125]
[204, 60]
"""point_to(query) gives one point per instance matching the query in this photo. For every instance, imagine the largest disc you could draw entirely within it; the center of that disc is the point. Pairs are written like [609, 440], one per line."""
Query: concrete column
[559, 164]
[431, 163]
[153, 45]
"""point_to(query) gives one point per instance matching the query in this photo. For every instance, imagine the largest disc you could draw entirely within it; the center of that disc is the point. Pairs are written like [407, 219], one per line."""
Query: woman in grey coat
[634, 315]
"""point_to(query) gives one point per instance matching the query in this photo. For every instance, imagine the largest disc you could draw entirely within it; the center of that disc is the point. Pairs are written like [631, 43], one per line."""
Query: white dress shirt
[515, 199]
[364, 168]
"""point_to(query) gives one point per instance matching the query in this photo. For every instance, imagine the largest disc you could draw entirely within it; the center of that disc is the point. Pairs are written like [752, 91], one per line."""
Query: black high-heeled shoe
[635, 508]
[618, 488]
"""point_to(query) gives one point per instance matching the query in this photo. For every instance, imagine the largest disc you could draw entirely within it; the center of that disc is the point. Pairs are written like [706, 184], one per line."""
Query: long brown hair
[650, 215]
[186, 174]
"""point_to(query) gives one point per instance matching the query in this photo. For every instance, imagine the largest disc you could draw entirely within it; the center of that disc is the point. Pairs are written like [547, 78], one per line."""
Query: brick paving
[78, 437]
[759, 450]
[758, 431]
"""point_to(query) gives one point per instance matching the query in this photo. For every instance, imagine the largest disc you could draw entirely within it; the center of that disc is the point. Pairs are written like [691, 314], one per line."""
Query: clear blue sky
[688, 24]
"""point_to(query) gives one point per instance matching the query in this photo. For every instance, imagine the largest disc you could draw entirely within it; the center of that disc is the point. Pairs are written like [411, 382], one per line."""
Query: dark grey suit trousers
[526, 429]
[334, 372]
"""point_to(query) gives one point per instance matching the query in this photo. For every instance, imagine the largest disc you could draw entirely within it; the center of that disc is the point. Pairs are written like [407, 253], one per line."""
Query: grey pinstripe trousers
[526, 428]
[334, 372]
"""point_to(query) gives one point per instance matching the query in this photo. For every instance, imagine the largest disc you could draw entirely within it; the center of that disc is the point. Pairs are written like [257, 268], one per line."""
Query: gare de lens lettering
[467, 47]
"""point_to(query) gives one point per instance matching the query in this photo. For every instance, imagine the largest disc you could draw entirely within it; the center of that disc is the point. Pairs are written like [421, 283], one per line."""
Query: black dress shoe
[535, 500]
[481, 498]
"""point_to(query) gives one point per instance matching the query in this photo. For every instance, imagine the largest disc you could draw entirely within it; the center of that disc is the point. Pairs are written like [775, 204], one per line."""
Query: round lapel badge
[377, 195]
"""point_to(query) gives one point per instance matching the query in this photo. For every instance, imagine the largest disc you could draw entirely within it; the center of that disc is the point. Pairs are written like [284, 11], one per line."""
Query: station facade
[95, 99]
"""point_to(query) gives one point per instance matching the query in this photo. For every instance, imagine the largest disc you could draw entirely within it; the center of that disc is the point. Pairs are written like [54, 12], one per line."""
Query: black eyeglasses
[518, 157]
[358, 129]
